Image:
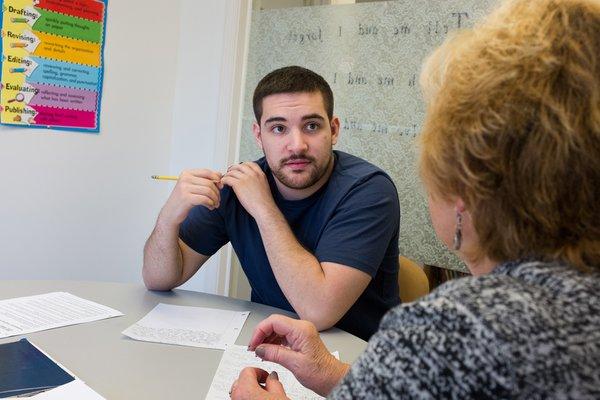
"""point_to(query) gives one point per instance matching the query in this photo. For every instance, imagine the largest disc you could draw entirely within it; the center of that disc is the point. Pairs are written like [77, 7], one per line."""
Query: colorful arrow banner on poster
[52, 63]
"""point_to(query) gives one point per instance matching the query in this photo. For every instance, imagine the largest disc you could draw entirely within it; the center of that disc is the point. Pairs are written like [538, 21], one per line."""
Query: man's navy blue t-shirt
[354, 220]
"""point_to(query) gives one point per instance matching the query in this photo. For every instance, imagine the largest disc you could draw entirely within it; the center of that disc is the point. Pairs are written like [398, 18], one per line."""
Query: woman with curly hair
[510, 157]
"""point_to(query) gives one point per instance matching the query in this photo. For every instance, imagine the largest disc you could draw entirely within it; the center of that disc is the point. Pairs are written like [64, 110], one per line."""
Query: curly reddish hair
[513, 128]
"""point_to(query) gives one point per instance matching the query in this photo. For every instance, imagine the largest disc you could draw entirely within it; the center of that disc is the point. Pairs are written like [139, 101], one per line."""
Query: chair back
[412, 280]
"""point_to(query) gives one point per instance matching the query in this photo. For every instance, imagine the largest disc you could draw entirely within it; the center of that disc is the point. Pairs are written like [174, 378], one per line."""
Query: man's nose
[297, 143]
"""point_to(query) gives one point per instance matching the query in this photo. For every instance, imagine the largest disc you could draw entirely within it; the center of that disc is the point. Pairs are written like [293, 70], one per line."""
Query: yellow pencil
[169, 178]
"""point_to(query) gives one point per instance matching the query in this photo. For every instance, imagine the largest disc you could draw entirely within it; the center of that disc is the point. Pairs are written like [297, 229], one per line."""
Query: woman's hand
[296, 345]
[255, 383]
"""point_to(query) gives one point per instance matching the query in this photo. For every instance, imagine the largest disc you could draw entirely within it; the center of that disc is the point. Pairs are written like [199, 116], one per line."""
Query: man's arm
[321, 292]
[168, 261]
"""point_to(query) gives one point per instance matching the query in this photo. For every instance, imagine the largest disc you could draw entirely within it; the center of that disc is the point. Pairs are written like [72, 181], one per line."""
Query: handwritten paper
[237, 358]
[23, 315]
[189, 326]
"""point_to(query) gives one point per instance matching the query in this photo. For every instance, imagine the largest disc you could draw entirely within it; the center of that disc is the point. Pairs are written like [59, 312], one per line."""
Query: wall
[77, 206]
[195, 107]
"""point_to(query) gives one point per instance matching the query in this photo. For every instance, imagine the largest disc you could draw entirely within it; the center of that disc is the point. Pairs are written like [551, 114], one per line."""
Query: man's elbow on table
[155, 283]
[342, 288]
[323, 318]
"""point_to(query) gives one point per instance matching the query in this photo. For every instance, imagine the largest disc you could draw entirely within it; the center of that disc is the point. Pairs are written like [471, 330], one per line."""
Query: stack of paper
[46, 311]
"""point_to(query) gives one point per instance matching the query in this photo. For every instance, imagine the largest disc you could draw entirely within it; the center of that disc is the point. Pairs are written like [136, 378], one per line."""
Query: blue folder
[26, 370]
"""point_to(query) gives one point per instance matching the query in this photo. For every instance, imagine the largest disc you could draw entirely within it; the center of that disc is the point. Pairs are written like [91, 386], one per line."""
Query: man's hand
[251, 187]
[256, 383]
[296, 345]
[194, 187]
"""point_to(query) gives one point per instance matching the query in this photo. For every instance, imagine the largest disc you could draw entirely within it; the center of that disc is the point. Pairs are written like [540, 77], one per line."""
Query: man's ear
[335, 129]
[256, 132]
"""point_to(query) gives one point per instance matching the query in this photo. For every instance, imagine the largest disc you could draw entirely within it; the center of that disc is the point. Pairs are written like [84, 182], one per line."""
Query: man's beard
[316, 172]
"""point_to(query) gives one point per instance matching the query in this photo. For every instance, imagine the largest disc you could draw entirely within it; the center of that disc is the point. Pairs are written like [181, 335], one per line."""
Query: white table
[121, 368]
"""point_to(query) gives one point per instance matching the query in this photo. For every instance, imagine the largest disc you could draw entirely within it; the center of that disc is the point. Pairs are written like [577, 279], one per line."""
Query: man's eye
[312, 126]
[278, 129]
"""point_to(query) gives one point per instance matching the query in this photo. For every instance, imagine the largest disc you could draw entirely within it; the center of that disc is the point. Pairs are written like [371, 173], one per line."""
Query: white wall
[195, 130]
[79, 206]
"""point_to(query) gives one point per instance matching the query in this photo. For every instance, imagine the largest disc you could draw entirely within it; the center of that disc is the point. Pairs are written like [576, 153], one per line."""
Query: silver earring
[458, 232]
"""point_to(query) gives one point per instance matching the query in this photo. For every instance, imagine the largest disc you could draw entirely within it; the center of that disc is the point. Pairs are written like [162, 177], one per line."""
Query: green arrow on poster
[66, 25]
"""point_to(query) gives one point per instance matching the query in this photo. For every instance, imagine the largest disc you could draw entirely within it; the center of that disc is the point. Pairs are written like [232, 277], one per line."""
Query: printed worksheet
[23, 315]
[189, 326]
[236, 358]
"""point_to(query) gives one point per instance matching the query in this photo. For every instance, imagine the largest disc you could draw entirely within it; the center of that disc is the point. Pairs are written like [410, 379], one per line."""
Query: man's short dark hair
[292, 79]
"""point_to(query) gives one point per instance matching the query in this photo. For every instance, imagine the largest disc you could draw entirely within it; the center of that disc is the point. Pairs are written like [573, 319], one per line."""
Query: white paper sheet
[236, 358]
[74, 390]
[189, 326]
[46, 311]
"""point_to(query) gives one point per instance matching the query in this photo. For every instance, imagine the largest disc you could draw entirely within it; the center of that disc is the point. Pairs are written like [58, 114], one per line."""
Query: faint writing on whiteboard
[434, 27]
[358, 78]
[308, 36]
[351, 124]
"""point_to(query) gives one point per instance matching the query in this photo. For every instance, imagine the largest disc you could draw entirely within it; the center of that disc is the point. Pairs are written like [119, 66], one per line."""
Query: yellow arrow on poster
[68, 50]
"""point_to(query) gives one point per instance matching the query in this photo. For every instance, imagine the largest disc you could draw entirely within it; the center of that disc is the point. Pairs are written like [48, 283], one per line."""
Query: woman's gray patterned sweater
[528, 330]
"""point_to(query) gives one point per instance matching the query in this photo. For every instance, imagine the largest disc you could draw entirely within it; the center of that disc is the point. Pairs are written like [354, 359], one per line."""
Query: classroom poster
[52, 63]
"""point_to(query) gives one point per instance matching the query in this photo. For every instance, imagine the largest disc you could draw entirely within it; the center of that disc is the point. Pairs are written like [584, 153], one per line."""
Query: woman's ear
[459, 205]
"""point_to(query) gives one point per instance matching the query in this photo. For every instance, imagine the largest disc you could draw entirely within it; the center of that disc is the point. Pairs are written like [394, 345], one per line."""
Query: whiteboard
[371, 55]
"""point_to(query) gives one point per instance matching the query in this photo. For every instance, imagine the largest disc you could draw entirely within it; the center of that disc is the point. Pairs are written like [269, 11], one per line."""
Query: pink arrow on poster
[64, 118]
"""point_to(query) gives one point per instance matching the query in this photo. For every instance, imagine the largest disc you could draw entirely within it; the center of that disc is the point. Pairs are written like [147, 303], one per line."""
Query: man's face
[296, 137]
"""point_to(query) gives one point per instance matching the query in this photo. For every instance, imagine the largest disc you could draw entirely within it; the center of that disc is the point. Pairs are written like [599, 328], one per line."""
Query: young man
[316, 230]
